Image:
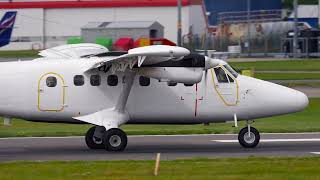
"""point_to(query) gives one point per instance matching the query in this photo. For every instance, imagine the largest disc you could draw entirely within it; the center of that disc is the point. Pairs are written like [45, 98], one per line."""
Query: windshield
[231, 70]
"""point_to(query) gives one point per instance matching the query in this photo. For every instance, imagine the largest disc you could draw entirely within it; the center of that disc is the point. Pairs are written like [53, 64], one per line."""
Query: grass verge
[306, 121]
[290, 65]
[222, 168]
[302, 84]
[287, 76]
[19, 54]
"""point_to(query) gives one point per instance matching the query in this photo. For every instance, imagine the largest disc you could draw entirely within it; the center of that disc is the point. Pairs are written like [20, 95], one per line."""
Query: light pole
[295, 36]
[179, 32]
[318, 13]
[249, 24]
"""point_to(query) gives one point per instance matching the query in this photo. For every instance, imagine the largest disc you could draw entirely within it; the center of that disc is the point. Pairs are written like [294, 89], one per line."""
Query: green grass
[287, 76]
[298, 84]
[306, 121]
[290, 65]
[221, 168]
[19, 54]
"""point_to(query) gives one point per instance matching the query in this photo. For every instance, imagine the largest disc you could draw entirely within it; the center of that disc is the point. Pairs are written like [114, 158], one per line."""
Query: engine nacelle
[187, 75]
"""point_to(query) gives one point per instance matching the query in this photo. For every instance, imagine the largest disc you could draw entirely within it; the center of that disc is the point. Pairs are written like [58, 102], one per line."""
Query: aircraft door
[51, 92]
[226, 85]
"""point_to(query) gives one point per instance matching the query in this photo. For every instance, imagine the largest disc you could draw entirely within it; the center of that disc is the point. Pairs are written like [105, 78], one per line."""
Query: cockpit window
[221, 75]
[231, 70]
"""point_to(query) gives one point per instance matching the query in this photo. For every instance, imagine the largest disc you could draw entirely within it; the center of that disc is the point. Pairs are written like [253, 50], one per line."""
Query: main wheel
[115, 140]
[92, 141]
[249, 141]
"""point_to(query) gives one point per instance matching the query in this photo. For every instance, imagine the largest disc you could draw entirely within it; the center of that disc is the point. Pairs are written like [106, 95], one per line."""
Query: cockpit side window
[221, 75]
[231, 70]
[230, 78]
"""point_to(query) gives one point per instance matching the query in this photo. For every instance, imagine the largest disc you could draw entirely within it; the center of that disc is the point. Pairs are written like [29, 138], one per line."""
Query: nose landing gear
[249, 137]
[112, 140]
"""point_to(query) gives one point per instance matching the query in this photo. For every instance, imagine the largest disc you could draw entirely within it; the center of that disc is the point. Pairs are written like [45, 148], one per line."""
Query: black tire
[115, 140]
[93, 142]
[243, 137]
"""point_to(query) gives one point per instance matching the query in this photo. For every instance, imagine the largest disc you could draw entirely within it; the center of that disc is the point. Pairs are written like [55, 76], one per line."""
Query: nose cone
[301, 101]
[269, 99]
[283, 100]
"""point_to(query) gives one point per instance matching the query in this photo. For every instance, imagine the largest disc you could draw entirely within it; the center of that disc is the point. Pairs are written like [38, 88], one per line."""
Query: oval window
[144, 81]
[95, 80]
[78, 80]
[51, 81]
[112, 80]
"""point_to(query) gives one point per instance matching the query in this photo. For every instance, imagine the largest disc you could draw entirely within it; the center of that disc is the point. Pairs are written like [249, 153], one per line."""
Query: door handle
[41, 91]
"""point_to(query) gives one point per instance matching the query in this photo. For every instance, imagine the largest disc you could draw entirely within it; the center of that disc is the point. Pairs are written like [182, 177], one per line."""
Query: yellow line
[63, 92]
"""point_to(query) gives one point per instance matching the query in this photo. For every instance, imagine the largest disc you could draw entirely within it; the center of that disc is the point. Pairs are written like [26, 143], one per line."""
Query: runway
[170, 147]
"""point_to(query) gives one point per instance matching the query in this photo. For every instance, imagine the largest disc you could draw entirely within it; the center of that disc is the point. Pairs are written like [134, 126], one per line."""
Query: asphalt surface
[170, 147]
[311, 92]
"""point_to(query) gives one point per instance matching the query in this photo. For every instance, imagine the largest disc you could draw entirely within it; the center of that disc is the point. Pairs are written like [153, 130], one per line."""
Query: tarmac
[170, 147]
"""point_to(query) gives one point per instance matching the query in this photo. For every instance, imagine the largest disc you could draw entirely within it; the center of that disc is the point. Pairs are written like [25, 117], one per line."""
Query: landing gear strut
[106, 134]
[112, 140]
[249, 137]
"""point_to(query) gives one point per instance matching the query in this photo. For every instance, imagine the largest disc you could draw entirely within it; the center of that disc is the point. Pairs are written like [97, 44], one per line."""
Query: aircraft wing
[141, 55]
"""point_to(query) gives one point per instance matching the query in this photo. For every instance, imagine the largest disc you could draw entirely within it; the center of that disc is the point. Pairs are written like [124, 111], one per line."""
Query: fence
[222, 44]
[255, 16]
[258, 47]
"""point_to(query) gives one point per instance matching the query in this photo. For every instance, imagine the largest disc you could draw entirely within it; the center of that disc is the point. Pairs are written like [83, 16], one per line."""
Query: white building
[53, 22]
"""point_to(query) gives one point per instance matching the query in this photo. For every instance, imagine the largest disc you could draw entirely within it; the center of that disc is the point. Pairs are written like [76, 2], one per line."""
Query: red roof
[96, 3]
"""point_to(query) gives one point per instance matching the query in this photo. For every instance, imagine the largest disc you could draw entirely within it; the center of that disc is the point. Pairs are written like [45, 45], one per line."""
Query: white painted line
[273, 140]
[317, 153]
[17, 138]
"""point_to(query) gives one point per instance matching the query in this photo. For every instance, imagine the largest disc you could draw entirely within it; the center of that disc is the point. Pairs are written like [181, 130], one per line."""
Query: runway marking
[317, 153]
[273, 140]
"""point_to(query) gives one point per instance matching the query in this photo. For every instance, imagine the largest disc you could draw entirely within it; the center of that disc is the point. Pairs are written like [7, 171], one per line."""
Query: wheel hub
[115, 140]
[249, 139]
[97, 140]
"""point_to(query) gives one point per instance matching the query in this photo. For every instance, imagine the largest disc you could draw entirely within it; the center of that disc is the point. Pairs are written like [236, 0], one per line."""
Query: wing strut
[116, 116]
[123, 98]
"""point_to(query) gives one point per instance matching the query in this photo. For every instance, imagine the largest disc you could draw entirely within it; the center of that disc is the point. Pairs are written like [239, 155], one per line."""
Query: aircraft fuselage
[25, 94]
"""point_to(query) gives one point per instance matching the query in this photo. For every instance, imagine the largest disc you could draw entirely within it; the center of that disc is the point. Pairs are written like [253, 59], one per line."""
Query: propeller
[209, 63]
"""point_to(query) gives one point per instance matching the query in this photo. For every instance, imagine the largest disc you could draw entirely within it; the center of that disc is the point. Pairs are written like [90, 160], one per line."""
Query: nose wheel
[249, 137]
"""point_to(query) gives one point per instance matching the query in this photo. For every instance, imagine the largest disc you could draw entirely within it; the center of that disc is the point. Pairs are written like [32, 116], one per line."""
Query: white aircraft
[86, 83]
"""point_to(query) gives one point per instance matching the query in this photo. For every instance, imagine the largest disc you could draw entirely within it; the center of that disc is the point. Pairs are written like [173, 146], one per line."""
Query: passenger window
[95, 80]
[221, 75]
[112, 80]
[144, 81]
[78, 80]
[51, 81]
[170, 83]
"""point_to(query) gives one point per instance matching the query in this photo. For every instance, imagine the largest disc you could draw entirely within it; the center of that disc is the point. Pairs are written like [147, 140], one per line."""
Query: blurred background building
[234, 27]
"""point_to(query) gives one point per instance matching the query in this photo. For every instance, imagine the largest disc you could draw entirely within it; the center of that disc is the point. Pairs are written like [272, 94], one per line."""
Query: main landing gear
[111, 140]
[249, 137]
[106, 135]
